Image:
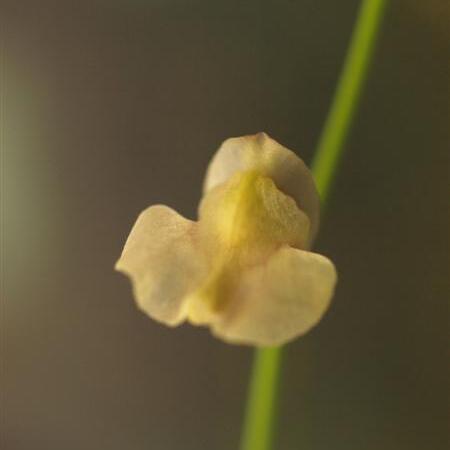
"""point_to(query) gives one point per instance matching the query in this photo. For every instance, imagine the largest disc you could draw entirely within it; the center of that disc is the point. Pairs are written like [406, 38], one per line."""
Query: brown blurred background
[110, 106]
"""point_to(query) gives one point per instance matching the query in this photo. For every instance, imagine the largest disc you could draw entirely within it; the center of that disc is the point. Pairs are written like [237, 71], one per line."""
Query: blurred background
[111, 106]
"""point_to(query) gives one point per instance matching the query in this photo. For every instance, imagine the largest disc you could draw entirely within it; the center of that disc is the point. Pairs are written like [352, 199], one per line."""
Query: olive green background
[111, 106]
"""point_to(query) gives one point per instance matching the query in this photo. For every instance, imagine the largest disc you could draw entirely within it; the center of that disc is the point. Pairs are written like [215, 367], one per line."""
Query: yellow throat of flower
[242, 222]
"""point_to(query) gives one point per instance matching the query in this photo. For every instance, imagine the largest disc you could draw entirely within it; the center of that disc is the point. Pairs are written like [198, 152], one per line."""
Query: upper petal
[260, 152]
[249, 215]
[161, 260]
[280, 300]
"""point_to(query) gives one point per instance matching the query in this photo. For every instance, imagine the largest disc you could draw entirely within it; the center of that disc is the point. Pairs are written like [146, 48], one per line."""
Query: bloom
[243, 268]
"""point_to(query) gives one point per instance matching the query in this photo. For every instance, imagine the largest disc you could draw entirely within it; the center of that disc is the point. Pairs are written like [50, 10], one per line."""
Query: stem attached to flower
[261, 409]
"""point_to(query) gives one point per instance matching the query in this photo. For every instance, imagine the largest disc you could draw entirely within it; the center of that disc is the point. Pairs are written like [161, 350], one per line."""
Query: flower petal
[279, 301]
[260, 152]
[249, 215]
[161, 260]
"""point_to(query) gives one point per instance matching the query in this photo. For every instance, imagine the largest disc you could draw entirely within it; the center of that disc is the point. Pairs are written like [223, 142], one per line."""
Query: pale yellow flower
[243, 268]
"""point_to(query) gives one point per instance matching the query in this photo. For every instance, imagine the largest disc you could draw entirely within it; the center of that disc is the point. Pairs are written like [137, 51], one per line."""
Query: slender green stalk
[347, 95]
[261, 408]
[260, 414]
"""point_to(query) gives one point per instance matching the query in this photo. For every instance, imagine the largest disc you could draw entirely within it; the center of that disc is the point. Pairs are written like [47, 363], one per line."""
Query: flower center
[242, 222]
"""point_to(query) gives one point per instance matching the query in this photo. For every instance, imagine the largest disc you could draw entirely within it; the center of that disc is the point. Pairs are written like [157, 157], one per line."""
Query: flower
[243, 268]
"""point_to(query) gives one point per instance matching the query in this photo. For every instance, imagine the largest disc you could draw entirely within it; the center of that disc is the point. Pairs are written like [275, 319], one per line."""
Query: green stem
[346, 98]
[260, 414]
[261, 411]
